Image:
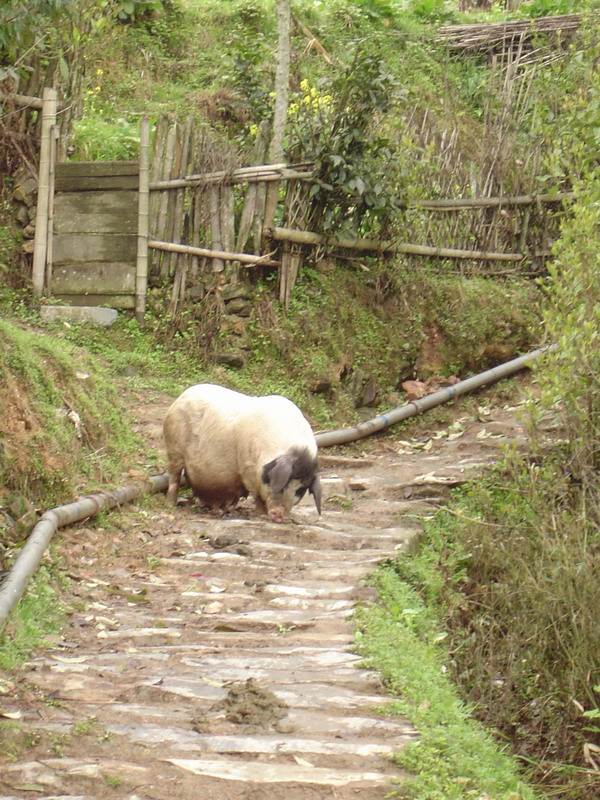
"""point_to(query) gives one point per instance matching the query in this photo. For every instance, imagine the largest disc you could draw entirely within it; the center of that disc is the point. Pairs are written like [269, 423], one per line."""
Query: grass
[37, 614]
[455, 758]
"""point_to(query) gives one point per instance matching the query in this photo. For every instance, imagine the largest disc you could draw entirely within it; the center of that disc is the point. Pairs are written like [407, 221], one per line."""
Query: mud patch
[255, 708]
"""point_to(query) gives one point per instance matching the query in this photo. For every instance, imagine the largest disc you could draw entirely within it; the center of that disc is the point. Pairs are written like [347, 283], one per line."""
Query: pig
[232, 444]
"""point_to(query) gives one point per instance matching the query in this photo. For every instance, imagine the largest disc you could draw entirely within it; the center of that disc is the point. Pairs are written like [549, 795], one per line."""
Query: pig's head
[287, 478]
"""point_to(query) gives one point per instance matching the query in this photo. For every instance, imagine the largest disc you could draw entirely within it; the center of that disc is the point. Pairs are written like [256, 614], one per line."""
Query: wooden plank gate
[93, 254]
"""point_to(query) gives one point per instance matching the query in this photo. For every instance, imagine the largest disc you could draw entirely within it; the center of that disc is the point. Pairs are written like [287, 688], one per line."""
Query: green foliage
[454, 757]
[21, 24]
[512, 573]
[132, 10]
[339, 127]
[572, 319]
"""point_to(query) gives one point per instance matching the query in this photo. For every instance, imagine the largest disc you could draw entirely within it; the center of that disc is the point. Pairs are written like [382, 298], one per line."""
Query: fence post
[141, 269]
[49, 105]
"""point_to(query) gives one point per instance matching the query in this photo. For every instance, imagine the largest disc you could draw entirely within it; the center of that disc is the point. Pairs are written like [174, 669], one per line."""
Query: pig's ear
[315, 490]
[279, 473]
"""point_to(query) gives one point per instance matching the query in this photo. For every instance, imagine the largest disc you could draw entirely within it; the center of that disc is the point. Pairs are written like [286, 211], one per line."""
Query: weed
[340, 501]
[153, 562]
[84, 726]
[113, 781]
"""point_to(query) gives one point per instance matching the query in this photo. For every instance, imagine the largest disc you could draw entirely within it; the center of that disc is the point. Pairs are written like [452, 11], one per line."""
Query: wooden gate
[93, 252]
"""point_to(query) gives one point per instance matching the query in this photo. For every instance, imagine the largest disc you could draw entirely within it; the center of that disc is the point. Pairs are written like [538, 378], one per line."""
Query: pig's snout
[277, 514]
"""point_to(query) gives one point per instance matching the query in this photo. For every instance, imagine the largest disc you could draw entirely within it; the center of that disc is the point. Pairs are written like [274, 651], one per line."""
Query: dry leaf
[302, 762]
[11, 714]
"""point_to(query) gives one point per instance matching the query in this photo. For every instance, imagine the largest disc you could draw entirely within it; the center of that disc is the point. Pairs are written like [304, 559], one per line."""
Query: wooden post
[141, 270]
[55, 132]
[49, 105]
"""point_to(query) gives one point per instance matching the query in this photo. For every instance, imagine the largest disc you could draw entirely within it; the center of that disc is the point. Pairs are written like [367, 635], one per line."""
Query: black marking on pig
[297, 464]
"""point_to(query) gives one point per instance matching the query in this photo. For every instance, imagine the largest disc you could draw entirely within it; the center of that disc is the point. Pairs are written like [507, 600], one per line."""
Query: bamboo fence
[207, 221]
[206, 212]
[488, 35]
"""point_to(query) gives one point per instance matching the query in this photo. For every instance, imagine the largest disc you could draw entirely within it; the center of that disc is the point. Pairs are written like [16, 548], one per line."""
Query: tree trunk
[282, 90]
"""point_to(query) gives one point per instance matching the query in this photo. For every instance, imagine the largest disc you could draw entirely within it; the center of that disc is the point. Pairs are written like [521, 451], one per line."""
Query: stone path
[212, 657]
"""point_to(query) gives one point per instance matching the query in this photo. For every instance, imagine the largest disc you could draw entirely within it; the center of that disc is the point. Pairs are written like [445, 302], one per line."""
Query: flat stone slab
[259, 772]
[79, 315]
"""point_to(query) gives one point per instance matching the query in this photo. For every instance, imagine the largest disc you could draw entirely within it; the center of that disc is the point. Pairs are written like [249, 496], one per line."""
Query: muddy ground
[210, 655]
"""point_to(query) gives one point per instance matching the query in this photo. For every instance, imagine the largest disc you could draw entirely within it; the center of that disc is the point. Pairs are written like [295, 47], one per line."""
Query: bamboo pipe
[13, 587]
[383, 421]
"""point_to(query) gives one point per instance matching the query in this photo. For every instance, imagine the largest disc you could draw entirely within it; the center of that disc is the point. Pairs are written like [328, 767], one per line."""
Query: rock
[393, 400]
[24, 192]
[325, 265]
[196, 292]
[369, 393]
[232, 358]
[322, 386]
[414, 389]
[237, 291]
[238, 306]
[22, 215]
[27, 247]
[235, 325]
[79, 315]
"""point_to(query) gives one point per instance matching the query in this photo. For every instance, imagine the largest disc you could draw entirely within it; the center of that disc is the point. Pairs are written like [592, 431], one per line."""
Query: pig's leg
[174, 482]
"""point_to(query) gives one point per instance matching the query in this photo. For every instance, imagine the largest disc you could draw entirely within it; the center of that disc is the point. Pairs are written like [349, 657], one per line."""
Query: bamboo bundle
[256, 174]
[492, 34]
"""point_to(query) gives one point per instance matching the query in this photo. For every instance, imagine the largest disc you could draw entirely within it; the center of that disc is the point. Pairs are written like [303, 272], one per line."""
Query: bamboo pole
[244, 258]
[41, 221]
[55, 132]
[167, 161]
[143, 235]
[24, 100]
[183, 156]
[160, 132]
[308, 237]
[215, 227]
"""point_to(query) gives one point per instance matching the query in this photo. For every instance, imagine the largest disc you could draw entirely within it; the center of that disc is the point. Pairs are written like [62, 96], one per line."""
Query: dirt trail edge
[212, 657]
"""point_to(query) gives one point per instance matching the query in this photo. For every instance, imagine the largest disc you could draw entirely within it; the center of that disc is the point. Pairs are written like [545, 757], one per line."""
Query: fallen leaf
[11, 714]
[302, 762]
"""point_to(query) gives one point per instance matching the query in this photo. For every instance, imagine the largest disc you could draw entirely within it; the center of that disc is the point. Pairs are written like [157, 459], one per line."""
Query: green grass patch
[63, 424]
[37, 614]
[455, 758]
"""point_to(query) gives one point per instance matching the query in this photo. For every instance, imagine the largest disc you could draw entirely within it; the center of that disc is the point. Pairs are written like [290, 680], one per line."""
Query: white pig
[231, 445]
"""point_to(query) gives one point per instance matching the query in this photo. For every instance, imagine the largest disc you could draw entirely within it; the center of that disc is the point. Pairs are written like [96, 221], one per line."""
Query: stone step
[258, 772]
